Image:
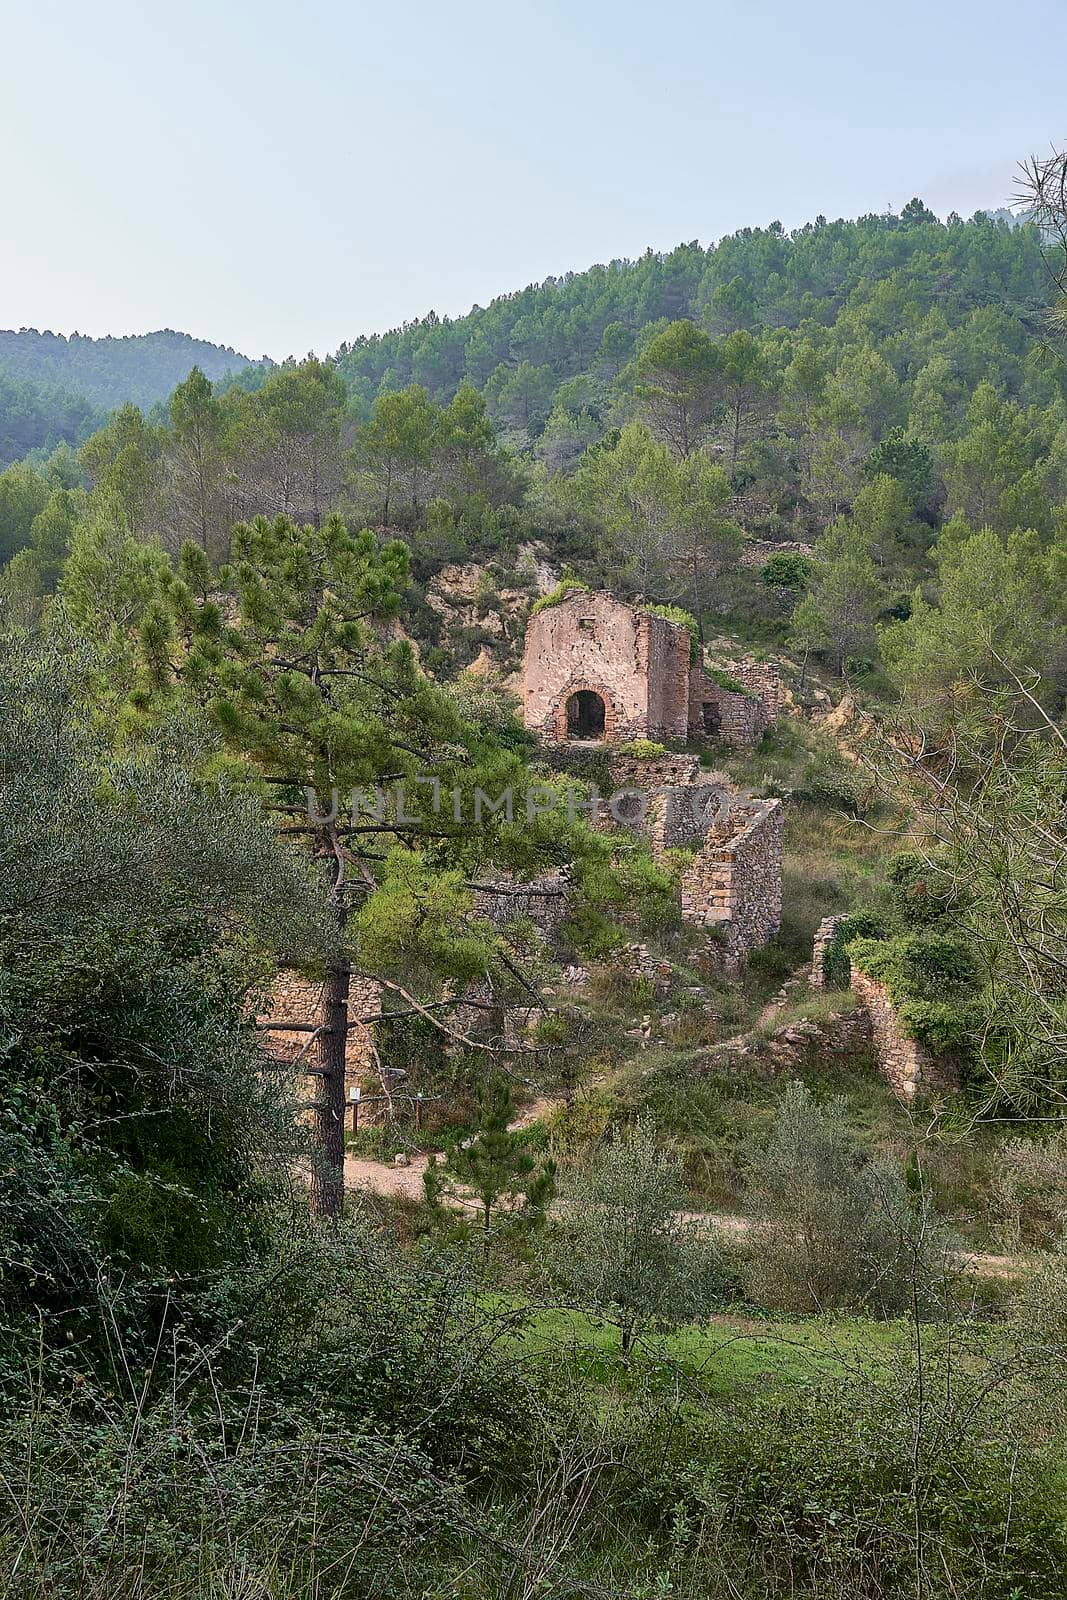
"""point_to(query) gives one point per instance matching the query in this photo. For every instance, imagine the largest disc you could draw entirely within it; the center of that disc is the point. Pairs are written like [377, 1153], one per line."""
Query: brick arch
[559, 710]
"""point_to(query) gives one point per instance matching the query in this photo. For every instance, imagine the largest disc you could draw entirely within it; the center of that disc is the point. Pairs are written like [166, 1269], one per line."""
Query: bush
[868, 1490]
[836, 965]
[725, 681]
[932, 980]
[357, 1393]
[620, 1248]
[830, 780]
[566, 586]
[619, 883]
[787, 570]
[835, 1227]
[919, 894]
[1029, 1190]
[643, 750]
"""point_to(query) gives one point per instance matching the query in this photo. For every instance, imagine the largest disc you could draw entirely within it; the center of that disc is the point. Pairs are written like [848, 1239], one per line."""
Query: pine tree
[498, 1162]
[290, 665]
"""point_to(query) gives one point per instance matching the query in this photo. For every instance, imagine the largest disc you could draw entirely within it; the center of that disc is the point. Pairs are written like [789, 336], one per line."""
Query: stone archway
[586, 715]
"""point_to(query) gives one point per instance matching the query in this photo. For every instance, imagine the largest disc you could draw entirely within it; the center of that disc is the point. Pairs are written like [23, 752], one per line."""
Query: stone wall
[823, 935]
[680, 803]
[541, 900]
[765, 683]
[662, 772]
[908, 1066]
[758, 552]
[637, 663]
[735, 883]
[299, 1000]
[740, 720]
[637, 961]
[669, 648]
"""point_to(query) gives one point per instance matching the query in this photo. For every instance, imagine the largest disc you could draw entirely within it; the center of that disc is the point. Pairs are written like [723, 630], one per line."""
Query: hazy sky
[283, 177]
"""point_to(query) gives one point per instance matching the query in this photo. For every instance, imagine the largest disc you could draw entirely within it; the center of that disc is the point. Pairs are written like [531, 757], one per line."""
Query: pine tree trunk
[328, 1170]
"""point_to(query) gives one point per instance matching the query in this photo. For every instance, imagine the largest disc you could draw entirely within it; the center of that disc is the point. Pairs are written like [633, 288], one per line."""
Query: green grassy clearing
[732, 1354]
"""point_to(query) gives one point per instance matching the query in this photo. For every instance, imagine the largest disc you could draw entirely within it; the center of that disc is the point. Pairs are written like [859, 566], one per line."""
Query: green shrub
[918, 966]
[725, 681]
[836, 1227]
[566, 586]
[919, 893]
[836, 966]
[622, 882]
[643, 749]
[932, 980]
[830, 780]
[871, 1490]
[621, 1248]
[787, 570]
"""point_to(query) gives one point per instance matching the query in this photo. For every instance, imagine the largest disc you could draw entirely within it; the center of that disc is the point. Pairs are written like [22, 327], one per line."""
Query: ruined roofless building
[597, 669]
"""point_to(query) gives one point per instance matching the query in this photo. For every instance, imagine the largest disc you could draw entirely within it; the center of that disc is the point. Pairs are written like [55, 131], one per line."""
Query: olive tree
[623, 1248]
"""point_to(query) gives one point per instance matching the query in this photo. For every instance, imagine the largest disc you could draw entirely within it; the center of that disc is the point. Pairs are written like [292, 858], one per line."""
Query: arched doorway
[585, 715]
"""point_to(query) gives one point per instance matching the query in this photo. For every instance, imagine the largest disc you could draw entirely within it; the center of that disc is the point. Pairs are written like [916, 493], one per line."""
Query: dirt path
[394, 1183]
[405, 1183]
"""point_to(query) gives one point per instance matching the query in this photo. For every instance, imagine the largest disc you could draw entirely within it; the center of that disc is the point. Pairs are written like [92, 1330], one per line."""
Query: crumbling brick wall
[907, 1065]
[669, 653]
[735, 883]
[637, 663]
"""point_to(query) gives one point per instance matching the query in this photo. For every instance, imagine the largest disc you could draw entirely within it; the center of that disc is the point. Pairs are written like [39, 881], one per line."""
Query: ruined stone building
[907, 1065]
[601, 671]
[733, 883]
[597, 669]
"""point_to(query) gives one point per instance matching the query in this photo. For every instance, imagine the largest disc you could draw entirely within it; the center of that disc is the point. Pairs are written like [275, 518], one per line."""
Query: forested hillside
[139, 367]
[850, 441]
[40, 416]
[907, 285]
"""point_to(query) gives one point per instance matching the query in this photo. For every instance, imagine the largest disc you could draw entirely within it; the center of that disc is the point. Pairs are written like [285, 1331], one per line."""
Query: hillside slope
[40, 416]
[887, 278]
[143, 367]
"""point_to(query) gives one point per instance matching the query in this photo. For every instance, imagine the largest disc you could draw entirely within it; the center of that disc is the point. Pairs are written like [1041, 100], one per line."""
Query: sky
[283, 177]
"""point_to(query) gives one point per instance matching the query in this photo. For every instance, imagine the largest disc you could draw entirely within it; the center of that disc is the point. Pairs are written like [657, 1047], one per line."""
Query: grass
[812, 1005]
[729, 1354]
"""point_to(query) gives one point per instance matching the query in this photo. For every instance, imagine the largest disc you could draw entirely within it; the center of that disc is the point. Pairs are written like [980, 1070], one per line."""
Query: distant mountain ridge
[143, 368]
